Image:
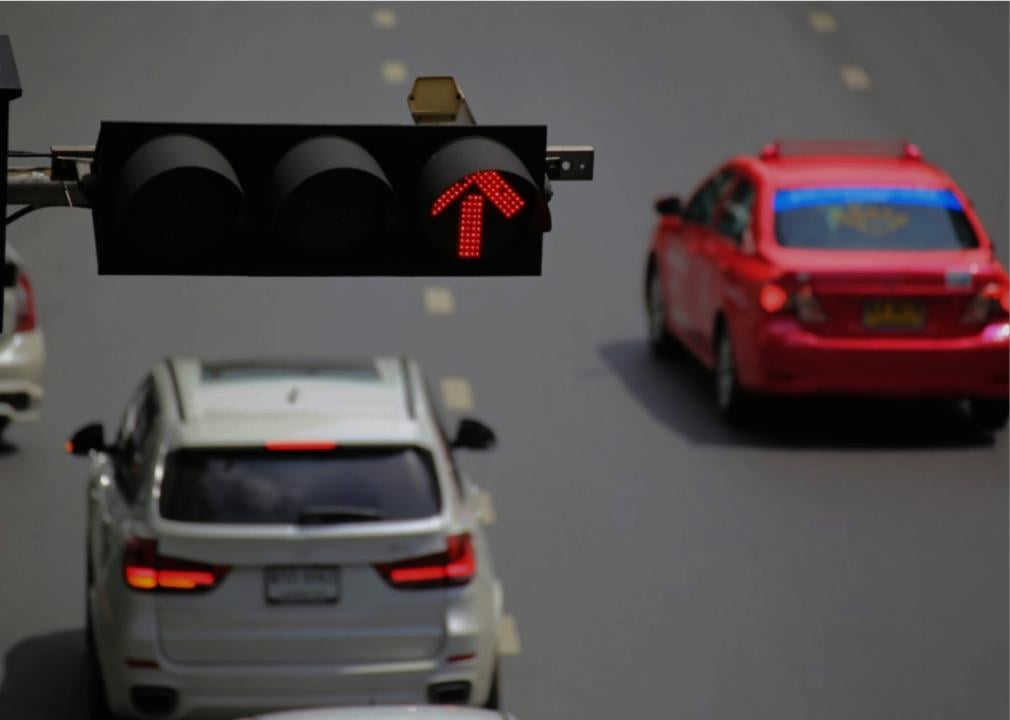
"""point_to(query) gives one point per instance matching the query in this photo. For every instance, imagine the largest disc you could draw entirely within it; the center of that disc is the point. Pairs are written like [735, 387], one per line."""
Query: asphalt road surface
[842, 560]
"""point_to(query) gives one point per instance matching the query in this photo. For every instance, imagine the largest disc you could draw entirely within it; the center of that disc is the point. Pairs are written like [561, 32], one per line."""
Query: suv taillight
[456, 566]
[801, 302]
[144, 569]
[991, 303]
[25, 304]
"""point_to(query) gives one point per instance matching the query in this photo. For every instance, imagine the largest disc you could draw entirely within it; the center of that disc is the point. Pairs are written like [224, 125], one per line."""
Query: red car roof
[841, 170]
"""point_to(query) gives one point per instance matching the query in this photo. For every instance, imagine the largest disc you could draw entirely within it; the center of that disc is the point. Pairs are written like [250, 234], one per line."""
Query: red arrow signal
[484, 184]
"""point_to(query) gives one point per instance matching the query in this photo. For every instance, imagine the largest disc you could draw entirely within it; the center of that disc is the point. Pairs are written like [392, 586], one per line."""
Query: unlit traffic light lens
[179, 202]
[329, 195]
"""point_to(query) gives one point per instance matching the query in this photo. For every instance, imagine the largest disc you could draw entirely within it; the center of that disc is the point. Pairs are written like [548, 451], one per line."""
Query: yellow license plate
[900, 314]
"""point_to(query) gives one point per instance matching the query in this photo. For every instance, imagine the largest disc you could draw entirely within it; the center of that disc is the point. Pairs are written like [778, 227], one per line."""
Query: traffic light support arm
[65, 183]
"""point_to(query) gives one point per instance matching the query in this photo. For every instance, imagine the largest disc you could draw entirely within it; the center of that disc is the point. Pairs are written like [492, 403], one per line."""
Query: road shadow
[678, 393]
[47, 677]
[6, 446]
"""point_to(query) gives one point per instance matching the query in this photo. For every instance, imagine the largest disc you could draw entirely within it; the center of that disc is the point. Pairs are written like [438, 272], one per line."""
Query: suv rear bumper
[224, 692]
[791, 360]
[230, 692]
[216, 690]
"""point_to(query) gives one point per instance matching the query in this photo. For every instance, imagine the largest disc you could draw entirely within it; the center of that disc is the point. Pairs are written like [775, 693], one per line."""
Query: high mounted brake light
[300, 445]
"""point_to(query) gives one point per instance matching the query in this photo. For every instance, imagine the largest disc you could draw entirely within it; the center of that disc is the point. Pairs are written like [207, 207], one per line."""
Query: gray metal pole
[10, 88]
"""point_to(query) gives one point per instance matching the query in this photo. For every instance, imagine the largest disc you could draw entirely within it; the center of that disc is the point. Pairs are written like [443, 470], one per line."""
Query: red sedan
[832, 268]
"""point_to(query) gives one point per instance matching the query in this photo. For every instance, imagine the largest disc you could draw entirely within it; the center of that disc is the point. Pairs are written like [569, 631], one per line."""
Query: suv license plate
[301, 584]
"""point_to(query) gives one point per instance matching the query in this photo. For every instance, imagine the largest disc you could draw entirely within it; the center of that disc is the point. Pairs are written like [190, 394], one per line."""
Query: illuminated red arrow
[489, 184]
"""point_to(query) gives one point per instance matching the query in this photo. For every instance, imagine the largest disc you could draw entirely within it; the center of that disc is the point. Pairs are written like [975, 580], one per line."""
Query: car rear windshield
[300, 487]
[872, 219]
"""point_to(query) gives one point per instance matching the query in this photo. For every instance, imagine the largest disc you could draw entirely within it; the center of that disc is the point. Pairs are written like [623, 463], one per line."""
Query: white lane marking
[508, 637]
[456, 394]
[439, 301]
[485, 508]
[384, 18]
[855, 77]
[822, 21]
[394, 72]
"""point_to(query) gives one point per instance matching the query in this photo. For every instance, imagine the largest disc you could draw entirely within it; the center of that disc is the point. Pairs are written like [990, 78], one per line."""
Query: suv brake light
[991, 303]
[456, 566]
[25, 304]
[144, 569]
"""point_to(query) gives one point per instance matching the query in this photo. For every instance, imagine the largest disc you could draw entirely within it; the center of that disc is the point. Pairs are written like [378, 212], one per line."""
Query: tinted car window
[253, 486]
[703, 204]
[136, 439]
[872, 219]
[736, 211]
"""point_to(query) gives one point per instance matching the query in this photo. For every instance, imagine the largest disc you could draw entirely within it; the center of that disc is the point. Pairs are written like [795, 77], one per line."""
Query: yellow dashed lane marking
[439, 301]
[384, 18]
[822, 21]
[456, 394]
[508, 637]
[485, 508]
[394, 72]
[854, 77]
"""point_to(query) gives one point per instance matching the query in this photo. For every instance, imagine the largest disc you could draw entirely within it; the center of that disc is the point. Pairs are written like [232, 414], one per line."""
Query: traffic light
[231, 199]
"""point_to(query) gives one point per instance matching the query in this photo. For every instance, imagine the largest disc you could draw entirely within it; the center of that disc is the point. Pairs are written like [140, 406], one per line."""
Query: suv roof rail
[176, 391]
[408, 388]
[879, 148]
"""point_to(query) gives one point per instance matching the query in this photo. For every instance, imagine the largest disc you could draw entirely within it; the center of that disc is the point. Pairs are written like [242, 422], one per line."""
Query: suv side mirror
[473, 435]
[669, 206]
[90, 438]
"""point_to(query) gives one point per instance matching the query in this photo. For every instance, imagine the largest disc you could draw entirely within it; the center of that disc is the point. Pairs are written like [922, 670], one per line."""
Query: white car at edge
[22, 348]
[266, 536]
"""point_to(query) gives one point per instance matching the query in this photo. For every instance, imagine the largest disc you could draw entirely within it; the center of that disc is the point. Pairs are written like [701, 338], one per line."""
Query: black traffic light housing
[324, 200]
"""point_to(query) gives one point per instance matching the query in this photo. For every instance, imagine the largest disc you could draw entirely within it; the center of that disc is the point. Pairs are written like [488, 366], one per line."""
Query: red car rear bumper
[788, 359]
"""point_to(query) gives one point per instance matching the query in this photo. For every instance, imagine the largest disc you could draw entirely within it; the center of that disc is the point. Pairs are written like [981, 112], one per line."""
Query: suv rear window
[874, 218]
[262, 486]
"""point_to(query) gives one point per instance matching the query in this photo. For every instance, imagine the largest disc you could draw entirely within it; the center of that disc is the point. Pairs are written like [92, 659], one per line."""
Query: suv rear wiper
[325, 514]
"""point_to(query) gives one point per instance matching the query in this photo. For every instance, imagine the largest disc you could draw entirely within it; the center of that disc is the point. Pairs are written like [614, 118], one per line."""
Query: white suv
[22, 350]
[264, 536]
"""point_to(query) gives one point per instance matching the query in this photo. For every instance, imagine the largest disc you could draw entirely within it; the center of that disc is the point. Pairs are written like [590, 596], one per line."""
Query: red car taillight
[773, 299]
[802, 302]
[992, 302]
[145, 569]
[25, 304]
[456, 566]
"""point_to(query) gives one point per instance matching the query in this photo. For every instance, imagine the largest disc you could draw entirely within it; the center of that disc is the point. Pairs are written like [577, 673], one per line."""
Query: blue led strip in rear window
[810, 197]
